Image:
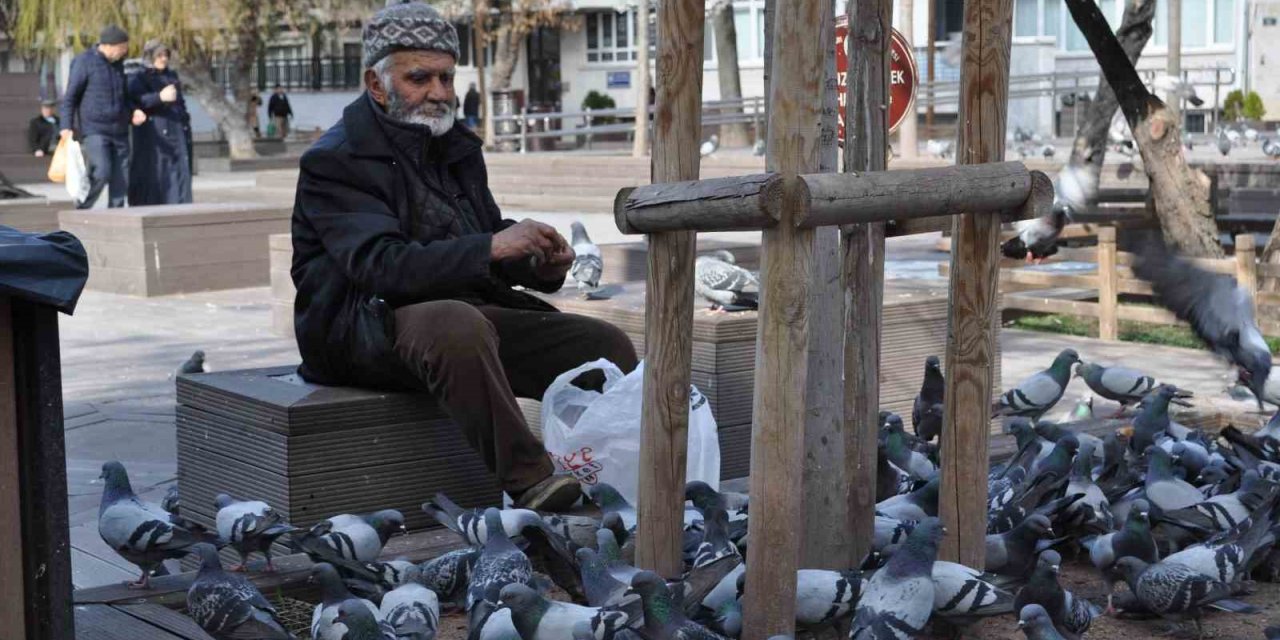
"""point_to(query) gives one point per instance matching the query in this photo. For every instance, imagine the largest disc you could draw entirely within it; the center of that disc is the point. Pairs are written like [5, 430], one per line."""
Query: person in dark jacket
[96, 108]
[42, 131]
[279, 111]
[404, 267]
[471, 107]
[159, 170]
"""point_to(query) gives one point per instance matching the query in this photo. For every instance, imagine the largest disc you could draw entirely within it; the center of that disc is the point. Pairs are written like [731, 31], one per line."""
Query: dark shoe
[553, 493]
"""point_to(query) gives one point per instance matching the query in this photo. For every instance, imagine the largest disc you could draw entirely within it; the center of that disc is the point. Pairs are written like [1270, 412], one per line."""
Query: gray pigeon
[600, 587]
[587, 261]
[1037, 238]
[537, 618]
[172, 501]
[361, 624]
[1092, 513]
[450, 574]
[609, 500]
[898, 600]
[611, 554]
[1036, 625]
[917, 505]
[703, 496]
[900, 453]
[324, 622]
[1013, 553]
[1224, 143]
[469, 523]
[194, 364]
[1164, 490]
[1070, 614]
[823, 597]
[141, 532]
[1120, 384]
[662, 618]
[1037, 394]
[228, 605]
[717, 279]
[709, 146]
[499, 564]
[1172, 591]
[1219, 311]
[962, 593]
[1270, 390]
[248, 526]
[926, 411]
[1133, 540]
[350, 537]
[715, 539]
[413, 611]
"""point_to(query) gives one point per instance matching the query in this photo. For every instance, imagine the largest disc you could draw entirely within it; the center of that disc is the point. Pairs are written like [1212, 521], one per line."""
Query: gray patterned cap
[407, 25]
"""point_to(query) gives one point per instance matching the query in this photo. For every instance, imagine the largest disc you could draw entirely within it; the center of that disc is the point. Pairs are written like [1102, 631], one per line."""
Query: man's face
[416, 87]
[46, 111]
[114, 52]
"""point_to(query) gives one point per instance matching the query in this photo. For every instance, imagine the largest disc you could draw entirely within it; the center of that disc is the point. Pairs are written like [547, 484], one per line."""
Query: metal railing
[334, 73]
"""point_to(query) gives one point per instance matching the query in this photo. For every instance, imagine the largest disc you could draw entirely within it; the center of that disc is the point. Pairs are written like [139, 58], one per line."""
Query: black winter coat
[96, 101]
[160, 163]
[372, 233]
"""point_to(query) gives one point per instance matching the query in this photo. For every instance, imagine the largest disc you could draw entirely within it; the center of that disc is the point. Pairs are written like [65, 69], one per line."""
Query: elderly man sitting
[404, 266]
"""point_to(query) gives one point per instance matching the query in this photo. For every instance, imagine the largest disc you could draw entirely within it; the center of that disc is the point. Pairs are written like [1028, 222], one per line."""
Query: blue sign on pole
[618, 79]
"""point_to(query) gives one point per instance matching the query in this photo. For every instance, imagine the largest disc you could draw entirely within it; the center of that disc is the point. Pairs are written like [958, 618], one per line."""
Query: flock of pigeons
[1230, 137]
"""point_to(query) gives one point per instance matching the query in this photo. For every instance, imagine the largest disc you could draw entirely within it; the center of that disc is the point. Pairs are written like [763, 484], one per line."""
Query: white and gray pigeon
[1036, 625]
[1172, 591]
[1037, 238]
[500, 563]
[350, 537]
[324, 623]
[600, 587]
[1219, 311]
[470, 523]
[1166, 491]
[361, 624]
[715, 543]
[1036, 395]
[710, 146]
[1120, 384]
[1091, 513]
[413, 611]
[915, 506]
[229, 606]
[1071, 615]
[964, 593]
[1271, 147]
[537, 618]
[1013, 553]
[1177, 87]
[900, 453]
[450, 574]
[720, 281]
[1224, 143]
[898, 600]
[823, 597]
[249, 526]
[588, 264]
[140, 531]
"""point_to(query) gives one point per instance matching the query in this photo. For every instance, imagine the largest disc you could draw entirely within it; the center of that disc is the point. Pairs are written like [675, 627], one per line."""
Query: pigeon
[361, 624]
[1270, 391]
[587, 261]
[141, 532]
[1011, 553]
[1219, 311]
[709, 146]
[903, 456]
[1058, 463]
[1036, 239]
[1172, 591]
[898, 600]
[350, 537]
[662, 618]
[609, 500]
[703, 496]
[499, 564]
[470, 523]
[759, 148]
[1070, 614]
[1178, 88]
[599, 586]
[940, 148]
[1226, 558]
[715, 540]
[172, 501]
[537, 618]
[1036, 625]
[1224, 143]
[374, 580]
[194, 364]
[450, 574]
[926, 412]
[413, 611]
[324, 623]
[1075, 189]
[1092, 513]
[1151, 425]
[917, 505]
[248, 526]
[1164, 490]
[1133, 540]
[823, 596]
[890, 480]
[1271, 148]
[962, 593]
[889, 533]
[719, 280]
[1119, 384]
[1037, 394]
[611, 554]
[227, 605]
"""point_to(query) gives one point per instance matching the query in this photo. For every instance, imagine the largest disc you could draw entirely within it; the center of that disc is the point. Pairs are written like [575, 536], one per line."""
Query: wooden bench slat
[103, 622]
[167, 619]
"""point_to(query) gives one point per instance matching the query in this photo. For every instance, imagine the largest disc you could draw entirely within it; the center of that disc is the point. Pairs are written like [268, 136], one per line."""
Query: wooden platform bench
[33, 215]
[312, 451]
[162, 250]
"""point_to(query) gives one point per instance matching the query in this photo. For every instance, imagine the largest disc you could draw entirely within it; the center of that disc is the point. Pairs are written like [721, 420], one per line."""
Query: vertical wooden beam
[971, 337]
[12, 597]
[777, 427]
[908, 140]
[640, 148]
[930, 57]
[669, 321]
[1108, 285]
[863, 260]
[1173, 59]
[826, 489]
[1247, 264]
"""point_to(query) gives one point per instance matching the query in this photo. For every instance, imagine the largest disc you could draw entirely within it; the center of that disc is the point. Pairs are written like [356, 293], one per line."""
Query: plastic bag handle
[612, 374]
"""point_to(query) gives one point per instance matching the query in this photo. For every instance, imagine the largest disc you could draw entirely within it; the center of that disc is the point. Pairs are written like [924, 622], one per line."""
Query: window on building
[748, 25]
[1224, 21]
[1026, 13]
[1204, 22]
[1052, 19]
[1195, 23]
[610, 37]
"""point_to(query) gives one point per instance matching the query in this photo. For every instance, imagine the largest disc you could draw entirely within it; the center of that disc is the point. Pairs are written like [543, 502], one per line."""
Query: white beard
[439, 125]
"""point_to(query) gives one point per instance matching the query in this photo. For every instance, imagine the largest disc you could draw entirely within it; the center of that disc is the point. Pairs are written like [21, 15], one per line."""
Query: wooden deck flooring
[134, 622]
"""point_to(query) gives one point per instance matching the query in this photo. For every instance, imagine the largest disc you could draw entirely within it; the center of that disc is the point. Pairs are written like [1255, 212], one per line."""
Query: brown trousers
[477, 359]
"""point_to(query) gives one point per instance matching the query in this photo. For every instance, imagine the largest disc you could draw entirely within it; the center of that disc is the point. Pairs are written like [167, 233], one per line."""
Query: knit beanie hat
[112, 34]
[407, 25]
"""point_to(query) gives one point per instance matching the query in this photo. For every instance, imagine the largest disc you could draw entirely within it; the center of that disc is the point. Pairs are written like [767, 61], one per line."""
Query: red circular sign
[903, 76]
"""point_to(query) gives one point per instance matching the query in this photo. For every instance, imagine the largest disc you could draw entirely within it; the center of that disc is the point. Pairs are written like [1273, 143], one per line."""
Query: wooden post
[1108, 285]
[930, 56]
[1247, 264]
[908, 144]
[782, 341]
[971, 338]
[863, 260]
[668, 335]
[1173, 59]
[641, 146]
[12, 598]
[826, 489]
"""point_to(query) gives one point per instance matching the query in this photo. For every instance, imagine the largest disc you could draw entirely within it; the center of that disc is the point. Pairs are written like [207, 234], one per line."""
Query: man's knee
[443, 329]
[612, 343]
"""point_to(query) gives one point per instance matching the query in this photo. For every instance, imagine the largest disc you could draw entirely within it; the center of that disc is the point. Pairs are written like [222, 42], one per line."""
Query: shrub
[1233, 106]
[596, 101]
[1253, 109]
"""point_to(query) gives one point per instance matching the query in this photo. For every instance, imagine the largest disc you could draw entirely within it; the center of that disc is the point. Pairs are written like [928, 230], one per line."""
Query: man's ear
[374, 84]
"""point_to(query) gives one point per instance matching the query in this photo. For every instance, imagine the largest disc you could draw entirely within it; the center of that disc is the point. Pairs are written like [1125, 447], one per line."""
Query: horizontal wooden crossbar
[749, 203]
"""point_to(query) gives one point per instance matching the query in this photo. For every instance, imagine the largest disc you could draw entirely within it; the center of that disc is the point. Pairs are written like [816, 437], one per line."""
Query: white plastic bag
[596, 436]
[77, 173]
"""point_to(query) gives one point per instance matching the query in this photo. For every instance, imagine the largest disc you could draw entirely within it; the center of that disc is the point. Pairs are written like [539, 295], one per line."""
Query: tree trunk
[726, 34]
[1181, 193]
[508, 54]
[1271, 255]
[1090, 148]
[227, 113]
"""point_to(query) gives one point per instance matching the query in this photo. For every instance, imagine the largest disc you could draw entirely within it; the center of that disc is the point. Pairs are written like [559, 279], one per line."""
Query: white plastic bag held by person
[77, 173]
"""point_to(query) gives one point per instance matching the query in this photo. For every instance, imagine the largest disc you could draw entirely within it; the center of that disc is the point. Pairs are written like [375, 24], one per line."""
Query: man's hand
[529, 239]
[39, 153]
[169, 93]
[557, 265]
[65, 133]
[139, 117]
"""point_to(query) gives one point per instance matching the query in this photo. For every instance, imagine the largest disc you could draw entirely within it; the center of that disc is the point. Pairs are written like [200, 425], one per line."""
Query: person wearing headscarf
[160, 172]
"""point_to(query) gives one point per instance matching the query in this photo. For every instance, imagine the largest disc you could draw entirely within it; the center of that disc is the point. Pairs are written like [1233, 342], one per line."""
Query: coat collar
[368, 131]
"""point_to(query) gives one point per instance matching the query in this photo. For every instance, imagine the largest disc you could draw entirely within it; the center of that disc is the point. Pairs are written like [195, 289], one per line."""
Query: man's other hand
[138, 117]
